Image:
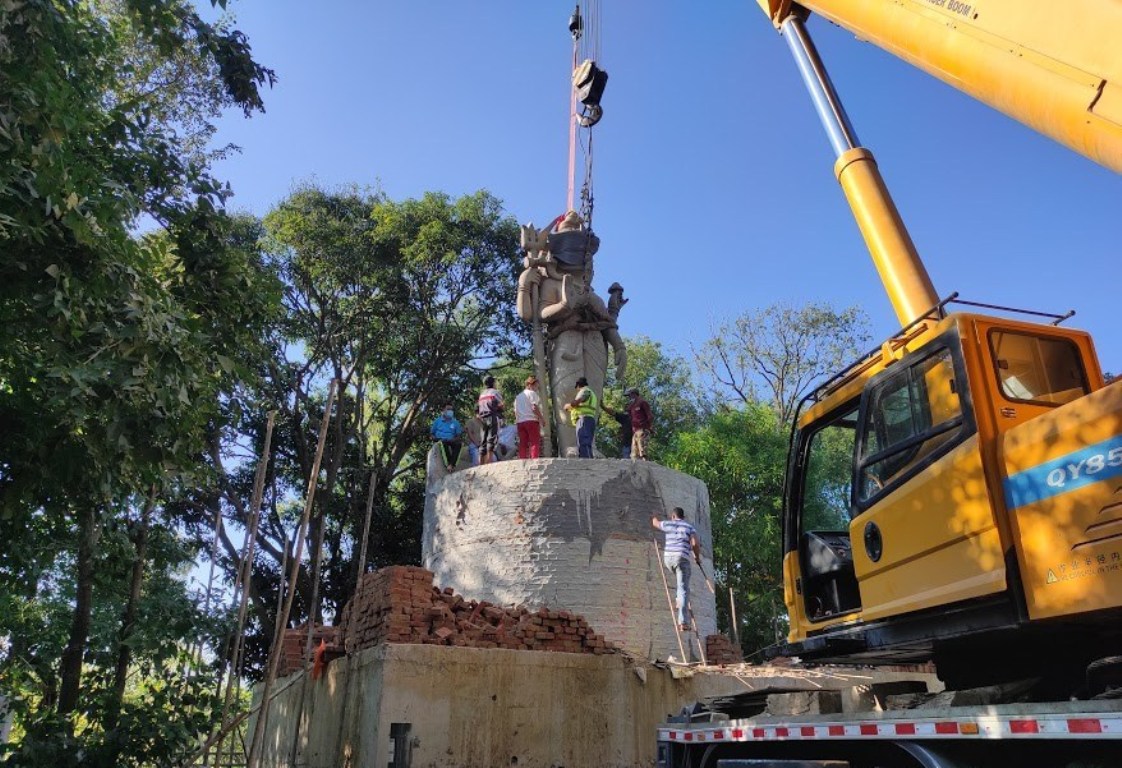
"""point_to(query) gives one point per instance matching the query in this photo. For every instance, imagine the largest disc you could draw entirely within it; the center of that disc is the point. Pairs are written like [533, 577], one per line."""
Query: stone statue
[555, 289]
[615, 300]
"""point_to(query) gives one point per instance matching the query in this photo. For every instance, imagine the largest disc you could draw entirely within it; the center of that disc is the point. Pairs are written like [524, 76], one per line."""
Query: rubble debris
[399, 604]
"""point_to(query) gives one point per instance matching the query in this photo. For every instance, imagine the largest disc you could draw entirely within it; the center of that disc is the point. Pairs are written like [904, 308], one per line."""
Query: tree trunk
[71, 665]
[128, 616]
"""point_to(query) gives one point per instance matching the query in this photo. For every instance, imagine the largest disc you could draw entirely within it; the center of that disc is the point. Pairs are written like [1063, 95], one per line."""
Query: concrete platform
[469, 707]
[574, 535]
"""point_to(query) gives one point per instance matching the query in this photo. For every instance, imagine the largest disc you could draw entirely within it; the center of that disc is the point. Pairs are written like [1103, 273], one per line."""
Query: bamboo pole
[697, 636]
[245, 572]
[735, 625]
[252, 760]
[358, 580]
[361, 567]
[232, 726]
[313, 613]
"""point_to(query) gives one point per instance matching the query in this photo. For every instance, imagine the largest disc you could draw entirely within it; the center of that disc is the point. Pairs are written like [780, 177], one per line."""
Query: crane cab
[935, 491]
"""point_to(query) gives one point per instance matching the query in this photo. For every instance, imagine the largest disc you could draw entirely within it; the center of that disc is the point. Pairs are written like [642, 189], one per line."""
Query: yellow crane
[956, 494]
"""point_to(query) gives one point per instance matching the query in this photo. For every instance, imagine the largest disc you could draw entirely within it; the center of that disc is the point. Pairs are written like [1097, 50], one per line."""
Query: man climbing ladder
[681, 541]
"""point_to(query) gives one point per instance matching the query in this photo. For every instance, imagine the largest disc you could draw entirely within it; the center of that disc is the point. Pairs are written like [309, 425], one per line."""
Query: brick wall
[719, 649]
[292, 647]
[399, 604]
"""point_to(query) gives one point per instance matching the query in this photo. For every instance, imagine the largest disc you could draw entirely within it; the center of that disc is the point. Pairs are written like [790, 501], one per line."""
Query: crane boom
[1054, 66]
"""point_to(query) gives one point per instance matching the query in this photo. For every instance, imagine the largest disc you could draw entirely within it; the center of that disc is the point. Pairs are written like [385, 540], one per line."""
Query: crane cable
[589, 47]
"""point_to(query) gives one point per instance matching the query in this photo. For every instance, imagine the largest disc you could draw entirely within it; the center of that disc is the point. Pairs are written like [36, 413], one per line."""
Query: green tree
[779, 353]
[741, 455]
[665, 380]
[113, 347]
[764, 363]
[158, 709]
[404, 303]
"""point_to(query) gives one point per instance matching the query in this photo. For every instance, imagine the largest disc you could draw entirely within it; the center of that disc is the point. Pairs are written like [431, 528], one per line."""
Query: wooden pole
[735, 625]
[697, 636]
[708, 581]
[246, 570]
[254, 757]
[313, 613]
[230, 727]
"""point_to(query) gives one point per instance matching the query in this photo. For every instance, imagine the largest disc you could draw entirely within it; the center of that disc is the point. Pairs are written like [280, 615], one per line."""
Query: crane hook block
[590, 116]
[589, 81]
[576, 24]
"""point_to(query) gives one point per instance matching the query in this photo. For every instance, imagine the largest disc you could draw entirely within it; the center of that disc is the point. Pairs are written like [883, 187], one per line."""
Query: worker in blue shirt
[446, 430]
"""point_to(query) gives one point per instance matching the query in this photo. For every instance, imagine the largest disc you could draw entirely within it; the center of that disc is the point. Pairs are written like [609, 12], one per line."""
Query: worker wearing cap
[623, 418]
[641, 423]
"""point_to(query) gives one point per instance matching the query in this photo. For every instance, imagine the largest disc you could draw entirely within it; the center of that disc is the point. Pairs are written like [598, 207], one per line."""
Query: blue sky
[714, 184]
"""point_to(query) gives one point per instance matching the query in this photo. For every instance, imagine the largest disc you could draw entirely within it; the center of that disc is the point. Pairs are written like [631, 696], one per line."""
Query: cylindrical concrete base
[572, 534]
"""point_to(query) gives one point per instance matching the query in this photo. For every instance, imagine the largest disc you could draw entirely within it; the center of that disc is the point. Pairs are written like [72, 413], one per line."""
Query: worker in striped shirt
[681, 541]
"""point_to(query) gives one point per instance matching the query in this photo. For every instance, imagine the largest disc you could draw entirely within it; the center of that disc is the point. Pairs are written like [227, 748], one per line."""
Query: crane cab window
[1037, 369]
[827, 482]
[826, 498]
[909, 417]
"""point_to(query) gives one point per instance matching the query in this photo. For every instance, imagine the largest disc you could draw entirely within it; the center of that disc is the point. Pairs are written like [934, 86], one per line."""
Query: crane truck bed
[1075, 733]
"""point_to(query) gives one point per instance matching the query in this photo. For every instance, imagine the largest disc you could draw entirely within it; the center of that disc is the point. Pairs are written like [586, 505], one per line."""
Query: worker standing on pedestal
[641, 422]
[582, 411]
[489, 409]
[528, 418]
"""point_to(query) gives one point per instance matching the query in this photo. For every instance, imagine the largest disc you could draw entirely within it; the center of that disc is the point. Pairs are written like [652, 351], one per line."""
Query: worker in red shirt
[641, 423]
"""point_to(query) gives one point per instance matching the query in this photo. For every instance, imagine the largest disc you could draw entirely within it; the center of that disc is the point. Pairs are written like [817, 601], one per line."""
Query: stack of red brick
[399, 604]
[292, 647]
[720, 650]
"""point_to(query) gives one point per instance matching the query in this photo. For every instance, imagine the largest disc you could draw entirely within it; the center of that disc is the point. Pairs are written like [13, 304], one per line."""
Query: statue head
[570, 221]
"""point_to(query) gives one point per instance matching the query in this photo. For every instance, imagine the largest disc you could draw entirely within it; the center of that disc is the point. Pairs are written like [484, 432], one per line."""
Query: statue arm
[529, 278]
[615, 341]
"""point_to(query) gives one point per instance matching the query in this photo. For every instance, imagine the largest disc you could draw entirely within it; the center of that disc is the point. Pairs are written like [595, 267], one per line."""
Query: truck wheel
[1104, 678]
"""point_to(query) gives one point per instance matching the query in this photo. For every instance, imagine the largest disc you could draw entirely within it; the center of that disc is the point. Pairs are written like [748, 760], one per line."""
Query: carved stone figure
[615, 300]
[555, 288]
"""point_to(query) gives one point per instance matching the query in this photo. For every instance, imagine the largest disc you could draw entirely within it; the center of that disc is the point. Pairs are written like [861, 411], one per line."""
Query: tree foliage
[666, 381]
[114, 357]
[403, 303]
[777, 354]
[741, 456]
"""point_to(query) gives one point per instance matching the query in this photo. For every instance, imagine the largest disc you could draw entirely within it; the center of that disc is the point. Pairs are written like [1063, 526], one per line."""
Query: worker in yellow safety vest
[582, 412]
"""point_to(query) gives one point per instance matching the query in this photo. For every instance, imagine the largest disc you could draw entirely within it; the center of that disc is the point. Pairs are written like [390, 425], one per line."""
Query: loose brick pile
[720, 650]
[292, 647]
[399, 604]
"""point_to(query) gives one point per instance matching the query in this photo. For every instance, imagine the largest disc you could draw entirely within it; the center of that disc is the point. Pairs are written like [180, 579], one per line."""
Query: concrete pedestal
[571, 534]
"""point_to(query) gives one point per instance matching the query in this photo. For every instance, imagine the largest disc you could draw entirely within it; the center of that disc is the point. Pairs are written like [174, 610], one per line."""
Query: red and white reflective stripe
[1093, 726]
